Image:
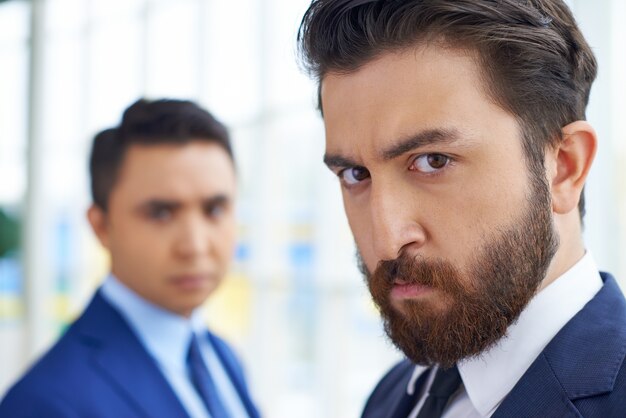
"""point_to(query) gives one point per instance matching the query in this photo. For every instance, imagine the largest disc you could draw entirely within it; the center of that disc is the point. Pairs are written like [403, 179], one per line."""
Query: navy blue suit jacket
[100, 369]
[580, 373]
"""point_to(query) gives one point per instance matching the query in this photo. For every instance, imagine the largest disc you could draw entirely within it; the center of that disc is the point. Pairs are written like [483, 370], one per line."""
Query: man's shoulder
[582, 371]
[589, 354]
[64, 357]
[67, 374]
[31, 397]
[54, 379]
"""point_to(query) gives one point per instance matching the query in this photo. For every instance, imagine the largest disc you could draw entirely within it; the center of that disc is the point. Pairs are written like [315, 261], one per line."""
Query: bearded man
[457, 130]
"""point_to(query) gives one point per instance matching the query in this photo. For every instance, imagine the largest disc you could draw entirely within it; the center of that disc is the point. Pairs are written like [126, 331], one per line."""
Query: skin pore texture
[455, 232]
[170, 225]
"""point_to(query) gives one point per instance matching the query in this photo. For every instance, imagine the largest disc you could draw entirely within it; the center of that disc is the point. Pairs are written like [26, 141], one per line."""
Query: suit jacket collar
[390, 398]
[571, 367]
[122, 360]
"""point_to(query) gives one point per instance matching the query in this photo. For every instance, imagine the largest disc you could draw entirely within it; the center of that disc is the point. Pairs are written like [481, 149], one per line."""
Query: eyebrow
[421, 139]
[159, 203]
[334, 161]
[218, 199]
[403, 145]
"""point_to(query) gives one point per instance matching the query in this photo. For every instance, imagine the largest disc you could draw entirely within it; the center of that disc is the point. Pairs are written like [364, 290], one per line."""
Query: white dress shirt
[488, 378]
[166, 337]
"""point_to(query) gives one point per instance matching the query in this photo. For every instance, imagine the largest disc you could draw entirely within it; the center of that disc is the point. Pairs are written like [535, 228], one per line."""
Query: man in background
[163, 185]
[457, 130]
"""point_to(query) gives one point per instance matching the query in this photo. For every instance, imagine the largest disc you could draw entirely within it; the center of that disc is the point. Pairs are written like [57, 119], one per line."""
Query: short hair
[145, 122]
[534, 60]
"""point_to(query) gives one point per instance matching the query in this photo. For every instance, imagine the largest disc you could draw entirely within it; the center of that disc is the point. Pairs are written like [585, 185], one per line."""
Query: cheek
[141, 244]
[357, 211]
[358, 225]
[225, 241]
[361, 227]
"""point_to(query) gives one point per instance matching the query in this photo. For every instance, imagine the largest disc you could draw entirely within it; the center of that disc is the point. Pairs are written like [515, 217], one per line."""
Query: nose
[193, 238]
[395, 217]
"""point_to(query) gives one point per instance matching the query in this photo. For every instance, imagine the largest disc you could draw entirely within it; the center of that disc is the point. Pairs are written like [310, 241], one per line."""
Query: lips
[406, 290]
[191, 281]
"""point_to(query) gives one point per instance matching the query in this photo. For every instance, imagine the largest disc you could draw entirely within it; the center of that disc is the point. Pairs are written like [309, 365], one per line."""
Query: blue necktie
[202, 381]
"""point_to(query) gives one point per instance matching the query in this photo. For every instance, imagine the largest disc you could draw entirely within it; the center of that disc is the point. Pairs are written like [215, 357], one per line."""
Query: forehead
[426, 87]
[193, 169]
[417, 66]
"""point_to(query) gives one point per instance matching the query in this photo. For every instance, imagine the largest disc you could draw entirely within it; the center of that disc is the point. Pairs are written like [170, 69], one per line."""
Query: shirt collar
[164, 334]
[417, 372]
[489, 377]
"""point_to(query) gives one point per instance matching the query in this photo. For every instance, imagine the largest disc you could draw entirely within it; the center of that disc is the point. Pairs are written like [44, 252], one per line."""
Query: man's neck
[571, 247]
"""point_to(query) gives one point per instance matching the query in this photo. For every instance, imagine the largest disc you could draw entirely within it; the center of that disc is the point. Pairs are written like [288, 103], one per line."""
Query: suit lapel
[581, 361]
[404, 404]
[537, 395]
[121, 359]
[587, 353]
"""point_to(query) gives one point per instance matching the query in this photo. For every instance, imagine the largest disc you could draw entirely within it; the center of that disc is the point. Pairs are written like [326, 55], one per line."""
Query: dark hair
[147, 122]
[535, 61]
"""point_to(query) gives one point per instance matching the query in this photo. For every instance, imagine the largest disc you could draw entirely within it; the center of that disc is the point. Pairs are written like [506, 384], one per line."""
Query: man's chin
[427, 332]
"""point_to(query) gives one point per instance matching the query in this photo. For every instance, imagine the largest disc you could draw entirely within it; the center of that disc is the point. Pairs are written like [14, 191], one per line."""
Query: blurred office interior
[294, 304]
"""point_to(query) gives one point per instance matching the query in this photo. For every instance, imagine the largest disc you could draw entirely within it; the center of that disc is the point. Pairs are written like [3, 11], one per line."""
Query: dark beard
[474, 308]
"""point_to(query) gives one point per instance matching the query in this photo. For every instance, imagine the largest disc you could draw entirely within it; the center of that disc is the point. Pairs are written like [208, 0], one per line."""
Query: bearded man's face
[435, 177]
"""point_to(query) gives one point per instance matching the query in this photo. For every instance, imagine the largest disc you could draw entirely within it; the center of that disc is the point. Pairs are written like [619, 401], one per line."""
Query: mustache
[418, 270]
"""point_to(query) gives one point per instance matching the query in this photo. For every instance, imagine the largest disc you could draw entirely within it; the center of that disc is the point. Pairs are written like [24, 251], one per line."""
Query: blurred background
[294, 304]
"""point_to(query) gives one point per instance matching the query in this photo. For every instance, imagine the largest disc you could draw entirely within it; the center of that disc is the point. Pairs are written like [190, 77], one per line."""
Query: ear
[97, 218]
[572, 160]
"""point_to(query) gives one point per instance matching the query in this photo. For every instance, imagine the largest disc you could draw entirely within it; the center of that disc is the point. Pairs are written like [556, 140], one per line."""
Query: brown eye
[216, 207]
[437, 160]
[354, 175]
[159, 212]
[430, 163]
[215, 210]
